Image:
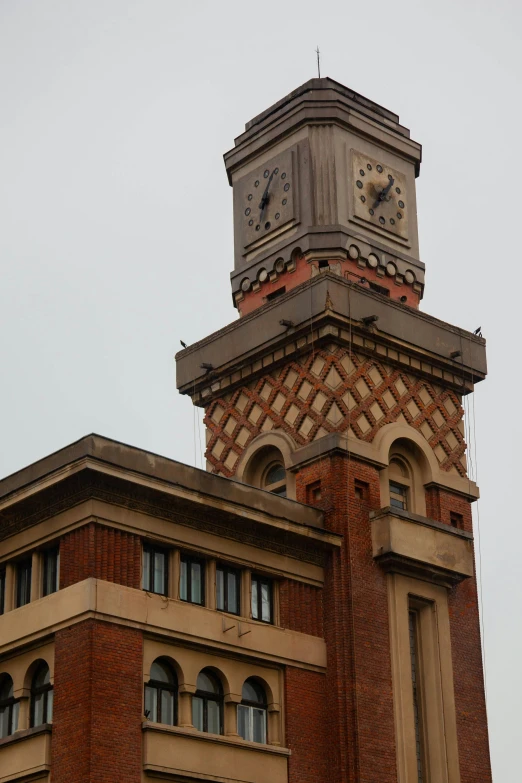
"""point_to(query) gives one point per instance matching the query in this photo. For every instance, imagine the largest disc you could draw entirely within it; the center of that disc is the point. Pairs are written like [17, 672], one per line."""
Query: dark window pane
[161, 672]
[213, 722]
[220, 589]
[183, 586]
[197, 712]
[15, 716]
[23, 583]
[254, 599]
[265, 602]
[159, 572]
[4, 721]
[276, 473]
[196, 586]
[242, 721]
[259, 725]
[38, 718]
[147, 556]
[151, 703]
[50, 571]
[207, 683]
[50, 701]
[167, 708]
[232, 593]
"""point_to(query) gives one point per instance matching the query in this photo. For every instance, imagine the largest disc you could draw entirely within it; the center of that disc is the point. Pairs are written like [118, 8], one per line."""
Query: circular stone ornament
[245, 284]
[279, 265]
[262, 276]
[391, 269]
[409, 276]
[353, 252]
[373, 261]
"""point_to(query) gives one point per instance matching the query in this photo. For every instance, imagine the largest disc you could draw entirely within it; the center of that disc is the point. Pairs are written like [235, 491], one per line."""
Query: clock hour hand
[384, 192]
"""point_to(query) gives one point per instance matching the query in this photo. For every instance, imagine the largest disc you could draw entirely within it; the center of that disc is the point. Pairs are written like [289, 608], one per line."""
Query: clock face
[380, 195]
[267, 198]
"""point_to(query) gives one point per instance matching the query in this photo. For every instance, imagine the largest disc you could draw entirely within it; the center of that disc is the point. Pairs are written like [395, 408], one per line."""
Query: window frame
[23, 566]
[249, 706]
[189, 560]
[151, 550]
[205, 697]
[12, 706]
[47, 555]
[279, 488]
[160, 686]
[236, 573]
[2, 590]
[38, 690]
[260, 580]
[394, 494]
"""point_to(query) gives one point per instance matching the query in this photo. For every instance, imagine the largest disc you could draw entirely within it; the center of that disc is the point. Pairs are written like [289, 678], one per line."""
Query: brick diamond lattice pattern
[331, 390]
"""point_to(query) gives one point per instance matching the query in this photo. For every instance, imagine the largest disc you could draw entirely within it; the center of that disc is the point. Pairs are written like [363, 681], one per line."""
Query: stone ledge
[416, 546]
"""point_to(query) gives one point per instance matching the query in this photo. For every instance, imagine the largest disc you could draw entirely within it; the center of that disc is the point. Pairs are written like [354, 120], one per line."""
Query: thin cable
[194, 423]
[479, 544]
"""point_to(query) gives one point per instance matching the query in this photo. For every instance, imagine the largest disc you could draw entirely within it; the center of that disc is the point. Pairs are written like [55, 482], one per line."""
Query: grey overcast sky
[116, 222]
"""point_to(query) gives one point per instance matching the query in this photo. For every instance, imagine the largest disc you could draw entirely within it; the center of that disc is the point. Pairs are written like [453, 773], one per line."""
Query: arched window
[161, 694]
[274, 478]
[9, 707]
[207, 703]
[251, 713]
[41, 696]
[400, 483]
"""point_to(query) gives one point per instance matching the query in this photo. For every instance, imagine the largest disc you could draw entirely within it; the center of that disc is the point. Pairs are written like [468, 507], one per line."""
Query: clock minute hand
[264, 197]
[384, 192]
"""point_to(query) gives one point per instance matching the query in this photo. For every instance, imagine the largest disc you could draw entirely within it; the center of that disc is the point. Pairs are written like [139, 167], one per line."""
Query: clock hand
[384, 192]
[264, 197]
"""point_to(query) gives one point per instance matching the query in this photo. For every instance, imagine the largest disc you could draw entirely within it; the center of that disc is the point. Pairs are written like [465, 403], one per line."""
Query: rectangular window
[51, 566]
[227, 589]
[262, 599]
[398, 495]
[417, 695]
[2, 590]
[456, 520]
[23, 582]
[155, 569]
[192, 580]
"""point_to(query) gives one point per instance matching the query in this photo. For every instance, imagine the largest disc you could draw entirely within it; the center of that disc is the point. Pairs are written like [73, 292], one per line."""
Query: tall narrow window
[207, 704]
[9, 707]
[227, 589]
[155, 569]
[262, 590]
[23, 582]
[191, 580]
[41, 696]
[51, 566]
[417, 696]
[161, 694]
[251, 713]
[398, 495]
[2, 590]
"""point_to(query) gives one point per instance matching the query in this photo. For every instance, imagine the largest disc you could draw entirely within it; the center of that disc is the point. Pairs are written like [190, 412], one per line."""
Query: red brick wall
[472, 728]
[307, 703]
[100, 552]
[440, 503]
[97, 704]
[301, 607]
[361, 733]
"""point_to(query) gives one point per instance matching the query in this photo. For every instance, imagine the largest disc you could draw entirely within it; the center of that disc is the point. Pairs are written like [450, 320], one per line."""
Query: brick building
[306, 609]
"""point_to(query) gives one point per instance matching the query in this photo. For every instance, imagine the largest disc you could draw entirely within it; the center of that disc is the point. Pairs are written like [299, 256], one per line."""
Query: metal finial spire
[318, 62]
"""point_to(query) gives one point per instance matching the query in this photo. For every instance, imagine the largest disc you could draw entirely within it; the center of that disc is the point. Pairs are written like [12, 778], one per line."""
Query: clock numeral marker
[266, 174]
[287, 186]
[362, 172]
[379, 169]
[247, 211]
[399, 215]
[397, 190]
[283, 175]
[277, 215]
[250, 197]
[401, 204]
[359, 183]
[284, 202]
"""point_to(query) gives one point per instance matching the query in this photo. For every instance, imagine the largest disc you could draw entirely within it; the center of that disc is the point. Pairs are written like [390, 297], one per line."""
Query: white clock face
[379, 194]
[267, 199]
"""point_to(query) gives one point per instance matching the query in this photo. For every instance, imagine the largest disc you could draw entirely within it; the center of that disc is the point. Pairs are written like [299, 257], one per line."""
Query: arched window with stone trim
[267, 471]
[207, 703]
[252, 712]
[402, 484]
[9, 707]
[41, 696]
[161, 693]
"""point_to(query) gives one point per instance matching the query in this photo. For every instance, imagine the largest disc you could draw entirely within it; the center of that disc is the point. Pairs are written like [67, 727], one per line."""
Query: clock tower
[314, 176]
[334, 389]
